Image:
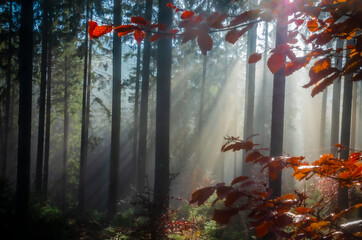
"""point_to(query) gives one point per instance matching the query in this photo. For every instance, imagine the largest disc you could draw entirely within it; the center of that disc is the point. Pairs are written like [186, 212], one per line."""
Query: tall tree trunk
[116, 114]
[276, 141]
[44, 55]
[249, 94]
[336, 102]
[25, 99]
[7, 94]
[201, 114]
[48, 120]
[65, 134]
[142, 140]
[83, 160]
[322, 134]
[354, 116]
[135, 115]
[346, 130]
[162, 158]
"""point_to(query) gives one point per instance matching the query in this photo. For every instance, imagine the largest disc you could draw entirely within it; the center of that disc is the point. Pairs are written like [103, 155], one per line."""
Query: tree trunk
[336, 102]
[65, 135]
[354, 116]
[25, 99]
[346, 130]
[7, 94]
[322, 134]
[142, 140]
[164, 64]
[135, 115]
[83, 160]
[249, 94]
[48, 120]
[116, 114]
[200, 163]
[43, 69]
[276, 141]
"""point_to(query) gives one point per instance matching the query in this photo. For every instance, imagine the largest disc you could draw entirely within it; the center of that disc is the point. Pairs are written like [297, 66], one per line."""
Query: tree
[65, 133]
[116, 114]
[142, 140]
[83, 153]
[25, 80]
[162, 157]
[44, 54]
[136, 116]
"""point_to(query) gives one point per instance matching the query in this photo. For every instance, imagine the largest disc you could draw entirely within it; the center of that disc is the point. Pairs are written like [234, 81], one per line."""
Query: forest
[181, 119]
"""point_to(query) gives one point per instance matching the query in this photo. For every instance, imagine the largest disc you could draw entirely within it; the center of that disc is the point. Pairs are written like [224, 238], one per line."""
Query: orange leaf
[233, 35]
[187, 14]
[275, 62]
[170, 5]
[312, 25]
[245, 16]
[205, 42]
[139, 36]
[139, 21]
[92, 26]
[273, 173]
[125, 29]
[262, 229]
[254, 58]
[304, 210]
[101, 30]
[239, 179]
[319, 225]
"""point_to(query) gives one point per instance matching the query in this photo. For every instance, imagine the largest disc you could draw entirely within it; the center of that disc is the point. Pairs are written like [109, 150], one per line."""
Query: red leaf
[189, 35]
[299, 22]
[125, 29]
[239, 179]
[325, 83]
[170, 5]
[101, 30]
[174, 31]
[139, 36]
[252, 156]
[273, 174]
[245, 16]
[223, 215]
[155, 37]
[139, 21]
[187, 14]
[275, 62]
[92, 26]
[201, 195]
[254, 58]
[297, 64]
[233, 35]
[205, 42]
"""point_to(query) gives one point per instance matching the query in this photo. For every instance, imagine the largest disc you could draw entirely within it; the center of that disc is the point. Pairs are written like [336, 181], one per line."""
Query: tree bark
[249, 94]
[277, 125]
[343, 201]
[322, 134]
[48, 120]
[336, 102]
[162, 171]
[25, 100]
[43, 69]
[142, 140]
[7, 94]
[65, 135]
[83, 160]
[116, 114]
[136, 115]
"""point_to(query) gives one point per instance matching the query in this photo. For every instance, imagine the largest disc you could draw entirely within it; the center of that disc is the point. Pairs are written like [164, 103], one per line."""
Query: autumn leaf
[319, 225]
[205, 42]
[139, 36]
[312, 25]
[239, 179]
[187, 14]
[233, 35]
[302, 210]
[252, 156]
[91, 27]
[201, 195]
[254, 58]
[155, 37]
[139, 21]
[223, 216]
[262, 229]
[245, 16]
[325, 83]
[101, 30]
[275, 62]
[170, 5]
[125, 29]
